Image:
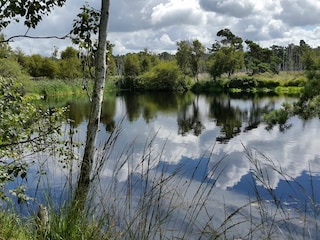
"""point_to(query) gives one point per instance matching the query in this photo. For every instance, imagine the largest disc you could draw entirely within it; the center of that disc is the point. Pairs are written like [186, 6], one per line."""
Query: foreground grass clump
[68, 224]
[12, 227]
[62, 225]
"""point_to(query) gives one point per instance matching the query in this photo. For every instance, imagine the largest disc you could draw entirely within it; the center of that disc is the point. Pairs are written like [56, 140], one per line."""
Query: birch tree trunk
[95, 112]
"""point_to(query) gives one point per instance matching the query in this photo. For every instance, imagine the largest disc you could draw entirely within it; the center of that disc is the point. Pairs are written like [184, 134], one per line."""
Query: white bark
[96, 104]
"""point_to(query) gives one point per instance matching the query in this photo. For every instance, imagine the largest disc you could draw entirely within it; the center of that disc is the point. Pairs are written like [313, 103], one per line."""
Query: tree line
[227, 56]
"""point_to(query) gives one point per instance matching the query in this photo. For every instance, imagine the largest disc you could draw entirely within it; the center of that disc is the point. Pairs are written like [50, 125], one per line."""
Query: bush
[130, 82]
[208, 86]
[164, 76]
[11, 69]
[245, 83]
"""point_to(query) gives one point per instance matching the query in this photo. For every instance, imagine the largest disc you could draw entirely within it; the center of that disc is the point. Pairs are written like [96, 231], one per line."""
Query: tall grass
[143, 197]
[63, 87]
[13, 227]
[57, 87]
[277, 220]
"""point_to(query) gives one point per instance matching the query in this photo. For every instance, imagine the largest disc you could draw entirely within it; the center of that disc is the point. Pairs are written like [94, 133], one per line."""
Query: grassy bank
[284, 82]
[57, 87]
[12, 227]
[60, 227]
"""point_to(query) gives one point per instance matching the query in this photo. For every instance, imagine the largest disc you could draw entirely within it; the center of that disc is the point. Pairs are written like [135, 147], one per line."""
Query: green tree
[165, 56]
[310, 59]
[217, 62]
[197, 54]
[9, 68]
[33, 65]
[69, 53]
[70, 64]
[229, 39]
[131, 65]
[259, 60]
[145, 60]
[112, 69]
[55, 52]
[69, 69]
[183, 56]
[226, 55]
[20, 57]
[189, 56]
[30, 11]
[5, 50]
[49, 68]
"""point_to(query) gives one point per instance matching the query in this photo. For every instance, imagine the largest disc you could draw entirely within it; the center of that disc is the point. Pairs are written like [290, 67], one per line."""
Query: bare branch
[10, 39]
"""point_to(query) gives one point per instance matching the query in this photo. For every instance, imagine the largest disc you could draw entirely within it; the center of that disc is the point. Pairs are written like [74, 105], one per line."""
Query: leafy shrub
[130, 82]
[164, 76]
[23, 127]
[296, 82]
[245, 83]
[208, 86]
[11, 69]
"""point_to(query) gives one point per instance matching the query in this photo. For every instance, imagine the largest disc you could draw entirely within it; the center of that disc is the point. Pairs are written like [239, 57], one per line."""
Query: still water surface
[215, 140]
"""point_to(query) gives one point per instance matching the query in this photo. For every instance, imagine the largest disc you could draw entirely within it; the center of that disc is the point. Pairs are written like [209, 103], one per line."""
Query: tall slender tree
[183, 56]
[197, 53]
[96, 104]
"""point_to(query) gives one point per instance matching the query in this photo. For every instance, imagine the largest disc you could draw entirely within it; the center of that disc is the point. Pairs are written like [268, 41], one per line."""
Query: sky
[159, 24]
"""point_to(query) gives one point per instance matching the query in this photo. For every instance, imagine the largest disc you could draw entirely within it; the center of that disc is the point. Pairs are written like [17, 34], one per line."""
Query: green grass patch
[289, 90]
[63, 224]
[12, 227]
[57, 87]
[47, 87]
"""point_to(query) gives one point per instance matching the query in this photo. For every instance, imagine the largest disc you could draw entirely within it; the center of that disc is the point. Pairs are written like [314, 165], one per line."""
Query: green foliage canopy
[164, 76]
[227, 54]
[31, 11]
[183, 56]
[9, 68]
[189, 56]
[260, 60]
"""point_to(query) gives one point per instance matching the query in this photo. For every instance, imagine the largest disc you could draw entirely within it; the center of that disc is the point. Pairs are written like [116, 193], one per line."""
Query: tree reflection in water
[182, 127]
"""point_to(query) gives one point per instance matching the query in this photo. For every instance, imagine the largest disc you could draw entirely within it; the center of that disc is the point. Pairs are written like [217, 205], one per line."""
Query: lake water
[212, 151]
